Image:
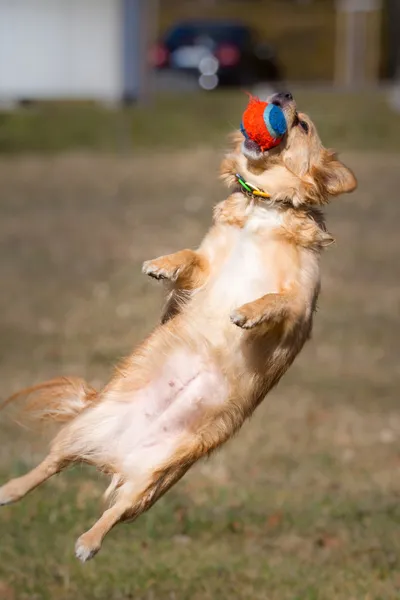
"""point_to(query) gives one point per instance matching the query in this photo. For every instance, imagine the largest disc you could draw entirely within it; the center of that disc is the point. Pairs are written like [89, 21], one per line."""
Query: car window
[220, 34]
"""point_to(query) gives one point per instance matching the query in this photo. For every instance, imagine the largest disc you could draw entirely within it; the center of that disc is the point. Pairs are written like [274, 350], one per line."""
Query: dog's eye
[304, 126]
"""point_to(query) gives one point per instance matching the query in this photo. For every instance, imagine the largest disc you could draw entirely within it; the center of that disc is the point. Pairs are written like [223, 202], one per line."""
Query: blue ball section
[275, 121]
[242, 129]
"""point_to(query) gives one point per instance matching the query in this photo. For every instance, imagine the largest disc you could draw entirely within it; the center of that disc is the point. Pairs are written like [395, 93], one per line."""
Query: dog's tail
[58, 400]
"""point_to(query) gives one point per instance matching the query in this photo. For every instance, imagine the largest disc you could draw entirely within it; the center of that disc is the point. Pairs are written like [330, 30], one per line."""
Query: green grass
[304, 503]
[234, 545]
[348, 121]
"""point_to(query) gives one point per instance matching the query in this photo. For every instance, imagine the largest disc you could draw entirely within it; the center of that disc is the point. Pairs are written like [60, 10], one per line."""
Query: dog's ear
[336, 177]
[228, 169]
[235, 139]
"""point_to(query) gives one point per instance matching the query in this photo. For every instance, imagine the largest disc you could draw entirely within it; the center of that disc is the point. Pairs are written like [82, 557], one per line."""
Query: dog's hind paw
[4, 499]
[84, 551]
[8, 495]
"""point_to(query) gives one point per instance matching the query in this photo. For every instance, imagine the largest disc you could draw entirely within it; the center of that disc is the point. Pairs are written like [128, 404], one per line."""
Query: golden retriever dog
[239, 311]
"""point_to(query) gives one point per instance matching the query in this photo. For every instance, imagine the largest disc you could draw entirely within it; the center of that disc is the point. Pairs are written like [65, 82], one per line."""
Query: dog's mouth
[251, 146]
[286, 102]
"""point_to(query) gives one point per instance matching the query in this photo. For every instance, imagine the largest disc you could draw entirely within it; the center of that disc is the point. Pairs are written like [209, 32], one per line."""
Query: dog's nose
[281, 98]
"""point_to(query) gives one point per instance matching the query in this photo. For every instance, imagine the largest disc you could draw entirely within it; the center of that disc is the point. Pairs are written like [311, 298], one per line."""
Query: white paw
[237, 318]
[241, 320]
[84, 552]
[151, 269]
[6, 495]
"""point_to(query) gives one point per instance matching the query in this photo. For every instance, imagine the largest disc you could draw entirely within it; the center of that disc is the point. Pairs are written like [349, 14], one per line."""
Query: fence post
[358, 42]
[139, 29]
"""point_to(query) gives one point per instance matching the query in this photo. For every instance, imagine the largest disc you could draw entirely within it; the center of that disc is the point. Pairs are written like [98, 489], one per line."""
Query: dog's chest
[249, 271]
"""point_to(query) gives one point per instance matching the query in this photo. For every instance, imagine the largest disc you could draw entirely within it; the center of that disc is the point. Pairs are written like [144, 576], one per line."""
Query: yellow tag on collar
[261, 194]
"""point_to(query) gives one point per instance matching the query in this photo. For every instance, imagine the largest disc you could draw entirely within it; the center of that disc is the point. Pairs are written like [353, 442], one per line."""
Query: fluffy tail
[59, 400]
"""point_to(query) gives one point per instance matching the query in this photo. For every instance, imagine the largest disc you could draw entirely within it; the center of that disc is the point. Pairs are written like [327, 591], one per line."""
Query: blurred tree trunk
[394, 52]
[394, 38]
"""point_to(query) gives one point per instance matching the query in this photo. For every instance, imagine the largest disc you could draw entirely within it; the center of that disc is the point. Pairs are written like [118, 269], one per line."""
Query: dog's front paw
[244, 319]
[158, 269]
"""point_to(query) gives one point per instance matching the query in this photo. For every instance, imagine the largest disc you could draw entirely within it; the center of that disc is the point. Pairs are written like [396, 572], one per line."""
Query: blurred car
[217, 53]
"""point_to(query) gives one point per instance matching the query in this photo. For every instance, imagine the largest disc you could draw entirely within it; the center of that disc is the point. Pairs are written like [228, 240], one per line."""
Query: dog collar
[249, 189]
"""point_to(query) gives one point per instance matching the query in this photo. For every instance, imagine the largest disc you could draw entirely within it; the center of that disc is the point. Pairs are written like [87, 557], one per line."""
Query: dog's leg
[271, 308]
[90, 542]
[136, 496]
[187, 268]
[115, 483]
[18, 488]
[133, 497]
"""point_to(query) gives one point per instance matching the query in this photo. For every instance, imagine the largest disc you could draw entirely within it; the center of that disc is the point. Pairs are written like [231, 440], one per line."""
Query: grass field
[304, 503]
[353, 121]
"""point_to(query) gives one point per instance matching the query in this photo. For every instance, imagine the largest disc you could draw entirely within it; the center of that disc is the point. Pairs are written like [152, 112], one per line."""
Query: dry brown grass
[303, 504]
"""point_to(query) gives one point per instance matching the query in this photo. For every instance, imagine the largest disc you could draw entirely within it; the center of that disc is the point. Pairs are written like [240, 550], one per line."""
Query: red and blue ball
[263, 123]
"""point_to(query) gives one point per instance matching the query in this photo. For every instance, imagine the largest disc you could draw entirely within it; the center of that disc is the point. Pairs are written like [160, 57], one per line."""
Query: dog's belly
[141, 430]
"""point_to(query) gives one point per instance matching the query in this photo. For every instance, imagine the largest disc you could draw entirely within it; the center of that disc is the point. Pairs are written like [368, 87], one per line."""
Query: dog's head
[299, 170]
